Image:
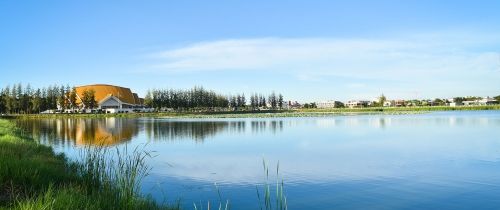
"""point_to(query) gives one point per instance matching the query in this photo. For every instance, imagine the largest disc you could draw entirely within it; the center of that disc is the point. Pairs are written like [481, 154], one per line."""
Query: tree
[67, 92]
[239, 102]
[61, 99]
[88, 99]
[381, 100]
[25, 99]
[148, 99]
[243, 101]
[458, 99]
[280, 101]
[19, 97]
[497, 98]
[72, 99]
[254, 101]
[233, 102]
[272, 100]
[44, 102]
[2, 102]
[264, 102]
[14, 105]
[36, 101]
[310, 105]
[7, 99]
[438, 102]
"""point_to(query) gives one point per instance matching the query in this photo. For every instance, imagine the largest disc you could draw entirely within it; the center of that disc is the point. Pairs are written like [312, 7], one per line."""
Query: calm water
[442, 160]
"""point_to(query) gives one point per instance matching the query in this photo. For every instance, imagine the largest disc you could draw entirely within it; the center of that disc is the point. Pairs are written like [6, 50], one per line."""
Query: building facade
[357, 103]
[111, 98]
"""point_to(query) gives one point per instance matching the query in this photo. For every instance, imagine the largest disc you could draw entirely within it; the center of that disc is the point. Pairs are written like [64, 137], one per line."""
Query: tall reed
[117, 174]
[279, 197]
[222, 206]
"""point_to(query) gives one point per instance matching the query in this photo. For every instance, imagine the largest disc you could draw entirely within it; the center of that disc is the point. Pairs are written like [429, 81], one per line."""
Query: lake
[439, 160]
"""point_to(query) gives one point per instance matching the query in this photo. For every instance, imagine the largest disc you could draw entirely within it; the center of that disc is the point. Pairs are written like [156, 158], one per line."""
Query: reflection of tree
[381, 122]
[171, 130]
[200, 130]
[262, 125]
[103, 131]
[237, 126]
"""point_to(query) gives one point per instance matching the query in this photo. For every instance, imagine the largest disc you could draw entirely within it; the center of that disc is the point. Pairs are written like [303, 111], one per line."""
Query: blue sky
[307, 50]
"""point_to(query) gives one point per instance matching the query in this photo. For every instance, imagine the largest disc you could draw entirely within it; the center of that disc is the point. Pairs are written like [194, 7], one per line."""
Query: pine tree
[272, 100]
[88, 99]
[72, 99]
[280, 101]
[9, 100]
[36, 101]
[3, 108]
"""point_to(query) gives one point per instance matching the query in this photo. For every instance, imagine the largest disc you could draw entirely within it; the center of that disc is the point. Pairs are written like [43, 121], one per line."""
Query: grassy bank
[269, 113]
[32, 176]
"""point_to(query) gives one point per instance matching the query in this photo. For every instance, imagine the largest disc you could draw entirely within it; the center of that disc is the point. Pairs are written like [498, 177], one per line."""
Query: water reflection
[79, 131]
[158, 130]
[112, 131]
[199, 130]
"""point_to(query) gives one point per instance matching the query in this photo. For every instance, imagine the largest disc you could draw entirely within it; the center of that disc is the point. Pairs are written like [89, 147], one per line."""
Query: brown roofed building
[110, 96]
[136, 98]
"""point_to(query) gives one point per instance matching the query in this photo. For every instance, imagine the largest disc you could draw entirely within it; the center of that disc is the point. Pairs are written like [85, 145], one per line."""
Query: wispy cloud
[342, 57]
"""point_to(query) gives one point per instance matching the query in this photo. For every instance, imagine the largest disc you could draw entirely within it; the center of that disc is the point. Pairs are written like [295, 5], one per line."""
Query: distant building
[487, 101]
[480, 102]
[388, 103]
[329, 104]
[294, 105]
[110, 98]
[399, 103]
[357, 103]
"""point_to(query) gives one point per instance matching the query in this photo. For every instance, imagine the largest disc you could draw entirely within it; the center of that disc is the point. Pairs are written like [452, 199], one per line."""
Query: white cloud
[417, 62]
[358, 58]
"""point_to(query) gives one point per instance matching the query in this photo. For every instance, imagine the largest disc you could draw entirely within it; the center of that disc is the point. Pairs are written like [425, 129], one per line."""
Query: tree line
[429, 102]
[199, 98]
[17, 99]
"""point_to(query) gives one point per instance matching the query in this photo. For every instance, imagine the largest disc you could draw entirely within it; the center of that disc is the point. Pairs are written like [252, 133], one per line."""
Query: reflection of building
[108, 131]
[111, 98]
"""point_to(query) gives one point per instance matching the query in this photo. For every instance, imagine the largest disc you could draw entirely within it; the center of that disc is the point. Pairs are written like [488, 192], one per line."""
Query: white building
[357, 103]
[329, 104]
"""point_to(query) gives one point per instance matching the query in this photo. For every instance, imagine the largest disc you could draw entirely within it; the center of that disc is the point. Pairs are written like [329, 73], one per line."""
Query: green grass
[32, 176]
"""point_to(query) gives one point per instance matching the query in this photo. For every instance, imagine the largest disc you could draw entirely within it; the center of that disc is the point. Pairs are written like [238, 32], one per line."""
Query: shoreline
[267, 113]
